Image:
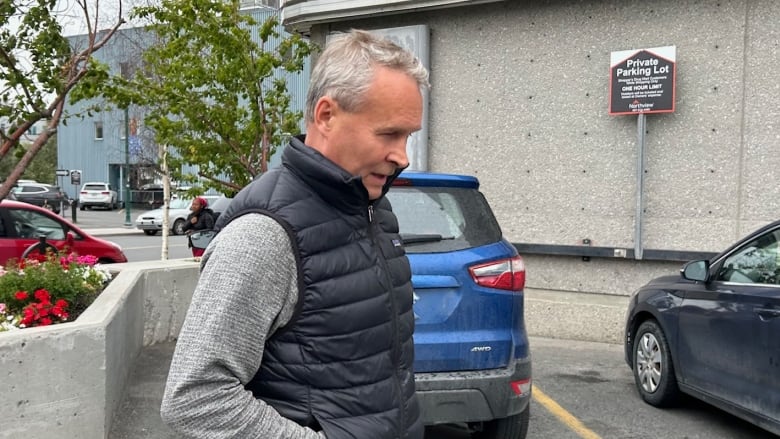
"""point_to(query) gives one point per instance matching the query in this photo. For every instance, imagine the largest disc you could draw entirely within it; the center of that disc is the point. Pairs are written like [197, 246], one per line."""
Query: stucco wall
[520, 98]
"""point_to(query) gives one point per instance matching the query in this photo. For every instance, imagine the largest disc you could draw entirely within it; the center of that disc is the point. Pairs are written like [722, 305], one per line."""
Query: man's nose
[398, 155]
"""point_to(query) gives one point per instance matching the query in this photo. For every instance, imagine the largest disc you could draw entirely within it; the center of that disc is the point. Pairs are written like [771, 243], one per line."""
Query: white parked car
[98, 194]
[151, 222]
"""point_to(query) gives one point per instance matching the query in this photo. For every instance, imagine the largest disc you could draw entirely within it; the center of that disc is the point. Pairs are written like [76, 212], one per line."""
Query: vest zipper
[396, 343]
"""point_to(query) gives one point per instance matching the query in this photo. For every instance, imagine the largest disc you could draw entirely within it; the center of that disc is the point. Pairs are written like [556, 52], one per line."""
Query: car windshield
[180, 203]
[435, 219]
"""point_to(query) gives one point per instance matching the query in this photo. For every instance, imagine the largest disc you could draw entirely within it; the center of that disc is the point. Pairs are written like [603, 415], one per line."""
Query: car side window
[32, 225]
[756, 262]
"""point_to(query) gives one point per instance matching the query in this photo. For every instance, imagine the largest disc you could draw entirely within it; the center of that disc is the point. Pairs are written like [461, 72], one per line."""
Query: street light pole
[127, 170]
[124, 70]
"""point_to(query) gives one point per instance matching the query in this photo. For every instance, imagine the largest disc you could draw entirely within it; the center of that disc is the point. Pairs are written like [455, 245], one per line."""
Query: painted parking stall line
[563, 415]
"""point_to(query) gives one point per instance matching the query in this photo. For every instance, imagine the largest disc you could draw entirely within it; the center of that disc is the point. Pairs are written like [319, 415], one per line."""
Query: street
[136, 246]
[139, 247]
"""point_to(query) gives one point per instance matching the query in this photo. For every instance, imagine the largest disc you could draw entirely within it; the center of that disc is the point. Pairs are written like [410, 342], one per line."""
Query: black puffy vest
[343, 364]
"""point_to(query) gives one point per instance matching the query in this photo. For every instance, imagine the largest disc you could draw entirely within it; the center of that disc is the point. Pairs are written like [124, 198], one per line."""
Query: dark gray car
[43, 195]
[713, 332]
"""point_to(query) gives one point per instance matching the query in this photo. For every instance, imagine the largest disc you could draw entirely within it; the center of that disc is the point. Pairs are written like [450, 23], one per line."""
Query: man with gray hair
[301, 323]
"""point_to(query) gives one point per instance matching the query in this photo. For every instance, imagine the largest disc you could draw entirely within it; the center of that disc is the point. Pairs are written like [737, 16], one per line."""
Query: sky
[72, 15]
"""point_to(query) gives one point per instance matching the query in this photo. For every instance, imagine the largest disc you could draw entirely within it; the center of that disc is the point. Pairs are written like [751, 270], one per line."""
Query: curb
[113, 231]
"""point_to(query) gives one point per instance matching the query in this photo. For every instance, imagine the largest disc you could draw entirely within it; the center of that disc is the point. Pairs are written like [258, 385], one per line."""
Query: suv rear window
[94, 187]
[441, 219]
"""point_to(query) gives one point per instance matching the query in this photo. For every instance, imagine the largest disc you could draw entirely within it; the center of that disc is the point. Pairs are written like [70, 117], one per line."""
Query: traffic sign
[62, 172]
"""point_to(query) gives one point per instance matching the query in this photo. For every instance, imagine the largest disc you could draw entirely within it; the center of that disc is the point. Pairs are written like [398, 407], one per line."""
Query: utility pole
[125, 72]
[127, 170]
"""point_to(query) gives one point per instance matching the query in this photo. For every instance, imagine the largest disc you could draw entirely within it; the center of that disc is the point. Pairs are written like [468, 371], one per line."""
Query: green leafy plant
[211, 83]
[56, 289]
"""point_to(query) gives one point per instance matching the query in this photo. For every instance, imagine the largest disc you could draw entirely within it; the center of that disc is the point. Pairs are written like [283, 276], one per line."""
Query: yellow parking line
[567, 418]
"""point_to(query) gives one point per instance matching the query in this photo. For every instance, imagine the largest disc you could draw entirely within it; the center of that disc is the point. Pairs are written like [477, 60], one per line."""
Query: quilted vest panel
[343, 363]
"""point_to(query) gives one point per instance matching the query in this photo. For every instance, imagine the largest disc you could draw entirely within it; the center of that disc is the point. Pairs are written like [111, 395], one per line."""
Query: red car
[22, 225]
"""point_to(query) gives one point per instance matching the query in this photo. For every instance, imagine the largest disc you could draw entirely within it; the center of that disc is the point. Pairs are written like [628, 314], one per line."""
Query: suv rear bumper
[96, 202]
[472, 396]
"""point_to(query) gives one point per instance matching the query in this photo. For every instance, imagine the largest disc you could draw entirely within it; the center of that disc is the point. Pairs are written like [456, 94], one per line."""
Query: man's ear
[324, 112]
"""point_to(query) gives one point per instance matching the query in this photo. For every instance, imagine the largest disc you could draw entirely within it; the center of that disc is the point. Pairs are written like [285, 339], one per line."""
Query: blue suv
[472, 359]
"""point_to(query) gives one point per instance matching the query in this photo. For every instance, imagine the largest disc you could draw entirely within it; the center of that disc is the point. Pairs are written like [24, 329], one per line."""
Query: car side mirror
[696, 270]
[201, 239]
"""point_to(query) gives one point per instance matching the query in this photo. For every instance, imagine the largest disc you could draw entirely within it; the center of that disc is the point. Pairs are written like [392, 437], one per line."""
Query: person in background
[301, 323]
[200, 218]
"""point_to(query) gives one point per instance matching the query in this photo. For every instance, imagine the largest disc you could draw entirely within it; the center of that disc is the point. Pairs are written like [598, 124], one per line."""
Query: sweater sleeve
[247, 288]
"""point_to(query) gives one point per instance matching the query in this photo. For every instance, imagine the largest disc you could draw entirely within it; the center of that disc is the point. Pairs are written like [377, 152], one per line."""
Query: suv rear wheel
[512, 427]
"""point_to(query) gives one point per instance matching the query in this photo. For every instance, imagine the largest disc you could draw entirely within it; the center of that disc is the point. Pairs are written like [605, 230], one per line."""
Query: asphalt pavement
[105, 222]
[138, 416]
[582, 390]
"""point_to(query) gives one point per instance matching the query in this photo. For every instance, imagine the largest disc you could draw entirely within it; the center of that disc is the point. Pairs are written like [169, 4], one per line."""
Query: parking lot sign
[75, 177]
[642, 81]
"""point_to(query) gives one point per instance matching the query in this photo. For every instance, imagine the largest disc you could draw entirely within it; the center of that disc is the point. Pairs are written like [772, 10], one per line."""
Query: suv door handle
[765, 314]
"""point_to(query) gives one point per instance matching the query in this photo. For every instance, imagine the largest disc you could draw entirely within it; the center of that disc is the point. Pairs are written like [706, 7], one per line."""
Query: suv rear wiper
[423, 238]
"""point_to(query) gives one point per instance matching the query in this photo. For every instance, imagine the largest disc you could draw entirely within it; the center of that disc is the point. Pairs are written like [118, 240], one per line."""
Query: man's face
[371, 142]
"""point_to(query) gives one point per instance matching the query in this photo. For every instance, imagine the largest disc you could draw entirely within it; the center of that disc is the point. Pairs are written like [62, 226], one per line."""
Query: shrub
[54, 290]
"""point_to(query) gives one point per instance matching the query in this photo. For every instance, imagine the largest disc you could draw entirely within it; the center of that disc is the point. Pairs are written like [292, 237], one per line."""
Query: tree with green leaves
[38, 71]
[41, 169]
[212, 93]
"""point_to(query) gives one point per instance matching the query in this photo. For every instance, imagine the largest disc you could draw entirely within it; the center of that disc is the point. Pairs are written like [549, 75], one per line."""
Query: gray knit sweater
[247, 289]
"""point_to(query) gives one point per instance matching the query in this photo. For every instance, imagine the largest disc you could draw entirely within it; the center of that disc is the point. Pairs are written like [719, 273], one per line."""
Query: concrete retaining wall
[67, 380]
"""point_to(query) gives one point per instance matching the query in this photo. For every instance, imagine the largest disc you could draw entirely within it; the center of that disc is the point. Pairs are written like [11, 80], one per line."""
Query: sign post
[59, 173]
[642, 81]
[75, 180]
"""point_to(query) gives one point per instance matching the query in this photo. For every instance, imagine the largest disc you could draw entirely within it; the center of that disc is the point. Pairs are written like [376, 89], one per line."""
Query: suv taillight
[504, 274]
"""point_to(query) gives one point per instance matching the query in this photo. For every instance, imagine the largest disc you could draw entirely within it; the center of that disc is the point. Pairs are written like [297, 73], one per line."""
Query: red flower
[21, 295]
[28, 316]
[59, 312]
[42, 296]
[45, 321]
[61, 303]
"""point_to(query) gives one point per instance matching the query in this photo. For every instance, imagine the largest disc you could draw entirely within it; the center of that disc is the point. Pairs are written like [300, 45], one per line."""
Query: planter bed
[67, 380]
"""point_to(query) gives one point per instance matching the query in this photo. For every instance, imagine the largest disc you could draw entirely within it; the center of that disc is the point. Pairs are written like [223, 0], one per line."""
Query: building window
[98, 130]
